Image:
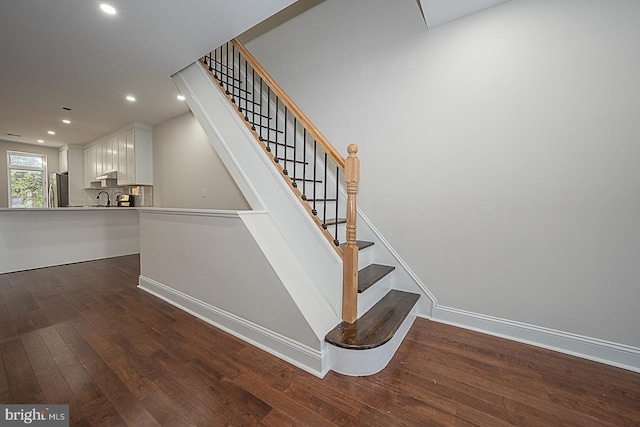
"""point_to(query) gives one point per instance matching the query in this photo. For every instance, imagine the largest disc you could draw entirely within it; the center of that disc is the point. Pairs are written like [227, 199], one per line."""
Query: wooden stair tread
[360, 243]
[377, 326]
[333, 221]
[371, 274]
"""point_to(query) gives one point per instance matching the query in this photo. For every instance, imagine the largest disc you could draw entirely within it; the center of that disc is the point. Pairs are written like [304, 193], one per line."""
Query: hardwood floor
[83, 334]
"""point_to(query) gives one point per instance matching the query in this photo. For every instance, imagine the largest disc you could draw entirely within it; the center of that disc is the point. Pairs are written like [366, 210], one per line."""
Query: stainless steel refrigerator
[58, 190]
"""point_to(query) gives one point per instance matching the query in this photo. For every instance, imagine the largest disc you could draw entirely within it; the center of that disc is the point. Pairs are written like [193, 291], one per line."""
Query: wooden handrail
[350, 251]
[293, 108]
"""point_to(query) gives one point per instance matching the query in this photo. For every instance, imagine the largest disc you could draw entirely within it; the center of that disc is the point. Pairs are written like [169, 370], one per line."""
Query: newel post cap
[352, 165]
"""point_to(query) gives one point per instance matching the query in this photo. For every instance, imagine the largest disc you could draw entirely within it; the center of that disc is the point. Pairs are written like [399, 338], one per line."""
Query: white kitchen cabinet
[129, 152]
[90, 166]
[63, 160]
[77, 196]
[99, 160]
[106, 157]
[135, 156]
[122, 155]
[110, 155]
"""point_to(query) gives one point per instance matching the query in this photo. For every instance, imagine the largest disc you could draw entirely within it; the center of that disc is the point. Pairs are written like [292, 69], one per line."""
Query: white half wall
[499, 152]
[231, 269]
[35, 238]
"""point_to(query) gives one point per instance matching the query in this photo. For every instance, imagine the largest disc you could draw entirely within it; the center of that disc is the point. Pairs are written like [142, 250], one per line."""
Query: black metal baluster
[284, 149]
[227, 74]
[304, 164]
[218, 64]
[233, 74]
[315, 167]
[246, 88]
[335, 240]
[253, 99]
[261, 110]
[277, 121]
[324, 196]
[215, 64]
[295, 157]
[269, 121]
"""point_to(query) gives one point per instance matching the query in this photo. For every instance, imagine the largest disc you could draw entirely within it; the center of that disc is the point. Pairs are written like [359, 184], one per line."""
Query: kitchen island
[35, 238]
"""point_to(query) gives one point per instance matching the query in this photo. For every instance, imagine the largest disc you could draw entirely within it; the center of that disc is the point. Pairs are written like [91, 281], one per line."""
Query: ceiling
[59, 54]
[68, 54]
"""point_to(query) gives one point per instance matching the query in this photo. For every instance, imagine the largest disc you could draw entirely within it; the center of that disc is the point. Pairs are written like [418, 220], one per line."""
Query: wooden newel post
[350, 251]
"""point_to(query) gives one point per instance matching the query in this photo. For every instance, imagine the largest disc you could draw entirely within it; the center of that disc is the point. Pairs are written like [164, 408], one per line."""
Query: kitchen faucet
[108, 198]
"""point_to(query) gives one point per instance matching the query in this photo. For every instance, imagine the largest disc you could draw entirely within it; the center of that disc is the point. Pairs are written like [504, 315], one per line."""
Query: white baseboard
[300, 355]
[613, 354]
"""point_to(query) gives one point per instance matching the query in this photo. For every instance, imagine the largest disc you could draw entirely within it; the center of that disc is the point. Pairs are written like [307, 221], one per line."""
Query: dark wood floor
[83, 334]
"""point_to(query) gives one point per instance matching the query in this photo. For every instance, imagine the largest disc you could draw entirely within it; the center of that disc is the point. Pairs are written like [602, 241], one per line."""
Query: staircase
[380, 296]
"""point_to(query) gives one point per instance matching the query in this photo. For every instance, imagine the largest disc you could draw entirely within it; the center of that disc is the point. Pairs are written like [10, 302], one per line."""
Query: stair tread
[377, 326]
[371, 274]
[360, 243]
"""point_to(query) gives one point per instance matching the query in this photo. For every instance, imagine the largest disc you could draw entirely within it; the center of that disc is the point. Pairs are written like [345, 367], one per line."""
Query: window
[27, 179]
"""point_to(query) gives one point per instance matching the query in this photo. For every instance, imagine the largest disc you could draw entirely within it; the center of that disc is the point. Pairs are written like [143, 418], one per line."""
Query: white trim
[621, 356]
[300, 355]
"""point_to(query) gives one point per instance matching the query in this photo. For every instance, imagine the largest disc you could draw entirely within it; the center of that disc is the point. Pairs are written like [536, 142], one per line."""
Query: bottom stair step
[377, 326]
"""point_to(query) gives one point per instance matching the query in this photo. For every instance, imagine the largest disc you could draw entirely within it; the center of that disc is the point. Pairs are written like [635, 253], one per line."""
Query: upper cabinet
[90, 166]
[127, 153]
[63, 159]
[135, 156]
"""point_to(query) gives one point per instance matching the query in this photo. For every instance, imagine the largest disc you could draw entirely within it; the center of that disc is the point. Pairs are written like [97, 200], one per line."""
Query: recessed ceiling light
[65, 121]
[131, 98]
[181, 97]
[108, 9]
[50, 132]
[41, 141]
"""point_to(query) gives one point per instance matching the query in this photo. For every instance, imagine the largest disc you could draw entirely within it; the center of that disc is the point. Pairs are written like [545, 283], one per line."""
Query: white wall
[52, 163]
[499, 152]
[185, 164]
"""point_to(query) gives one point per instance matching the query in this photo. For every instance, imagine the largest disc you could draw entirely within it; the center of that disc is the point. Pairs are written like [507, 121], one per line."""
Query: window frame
[43, 169]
